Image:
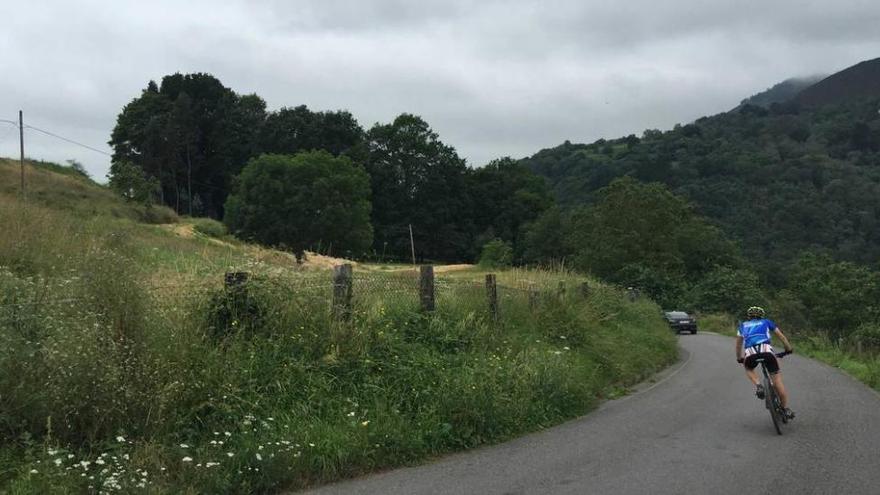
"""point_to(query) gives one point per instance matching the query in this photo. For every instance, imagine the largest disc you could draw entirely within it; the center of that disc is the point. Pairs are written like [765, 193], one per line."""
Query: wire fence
[422, 290]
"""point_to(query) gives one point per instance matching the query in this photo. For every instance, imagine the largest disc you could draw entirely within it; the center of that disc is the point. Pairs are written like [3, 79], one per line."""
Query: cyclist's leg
[752, 375]
[751, 368]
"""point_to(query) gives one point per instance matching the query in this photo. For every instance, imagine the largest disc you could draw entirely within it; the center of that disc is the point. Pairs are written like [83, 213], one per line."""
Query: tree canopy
[420, 181]
[296, 202]
[636, 234]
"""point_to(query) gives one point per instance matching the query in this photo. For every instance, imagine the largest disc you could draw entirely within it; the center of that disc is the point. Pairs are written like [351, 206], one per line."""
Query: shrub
[869, 334]
[209, 227]
[496, 254]
[159, 214]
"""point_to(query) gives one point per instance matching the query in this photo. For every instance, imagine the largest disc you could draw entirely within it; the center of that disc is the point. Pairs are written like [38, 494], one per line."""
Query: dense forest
[781, 180]
[791, 191]
[776, 200]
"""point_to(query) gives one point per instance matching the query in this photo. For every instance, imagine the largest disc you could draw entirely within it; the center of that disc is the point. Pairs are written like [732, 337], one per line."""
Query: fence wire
[401, 287]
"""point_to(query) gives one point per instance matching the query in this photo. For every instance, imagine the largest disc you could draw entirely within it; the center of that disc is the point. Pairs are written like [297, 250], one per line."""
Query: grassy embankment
[864, 366]
[126, 367]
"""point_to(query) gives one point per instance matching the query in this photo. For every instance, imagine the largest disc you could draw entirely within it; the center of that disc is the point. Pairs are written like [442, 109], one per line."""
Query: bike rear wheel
[772, 401]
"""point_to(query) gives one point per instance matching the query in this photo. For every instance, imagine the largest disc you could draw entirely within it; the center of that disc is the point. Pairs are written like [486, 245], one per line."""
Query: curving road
[698, 429]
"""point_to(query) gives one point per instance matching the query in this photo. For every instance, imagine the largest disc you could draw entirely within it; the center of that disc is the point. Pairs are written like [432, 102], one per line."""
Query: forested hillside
[859, 81]
[779, 205]
[780, 180]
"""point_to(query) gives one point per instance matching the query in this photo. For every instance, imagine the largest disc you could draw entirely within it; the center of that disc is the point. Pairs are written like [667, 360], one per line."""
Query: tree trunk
[189, 191]
[161, 185]
[176, 194]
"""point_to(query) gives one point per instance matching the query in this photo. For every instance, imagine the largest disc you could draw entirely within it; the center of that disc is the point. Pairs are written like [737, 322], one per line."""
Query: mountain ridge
[861, 80]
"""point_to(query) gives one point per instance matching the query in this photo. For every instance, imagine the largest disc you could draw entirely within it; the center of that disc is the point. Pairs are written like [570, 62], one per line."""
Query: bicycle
[771, 398]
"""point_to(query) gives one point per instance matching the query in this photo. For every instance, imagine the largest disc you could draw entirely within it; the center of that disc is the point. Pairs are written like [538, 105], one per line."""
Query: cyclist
[752, 343]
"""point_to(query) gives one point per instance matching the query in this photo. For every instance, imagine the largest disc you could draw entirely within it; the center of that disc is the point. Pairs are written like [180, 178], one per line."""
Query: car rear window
[677, 314]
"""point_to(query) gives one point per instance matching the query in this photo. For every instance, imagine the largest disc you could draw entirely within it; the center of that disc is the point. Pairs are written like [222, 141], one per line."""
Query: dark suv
[681, 321]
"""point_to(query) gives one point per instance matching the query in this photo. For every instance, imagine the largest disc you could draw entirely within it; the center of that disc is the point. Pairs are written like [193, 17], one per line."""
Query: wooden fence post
[585, 290]
[560, 290]
[235, 285]
[426, 287]
[533, 296]
[859, 347]
[632, 293]
[492, 295]
[342, 291]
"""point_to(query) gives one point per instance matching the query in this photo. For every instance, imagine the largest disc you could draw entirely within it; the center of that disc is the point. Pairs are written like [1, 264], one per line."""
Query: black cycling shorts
[751, 362]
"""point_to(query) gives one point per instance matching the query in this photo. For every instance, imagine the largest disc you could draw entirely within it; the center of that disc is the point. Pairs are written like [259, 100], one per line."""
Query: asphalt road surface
[698, 429]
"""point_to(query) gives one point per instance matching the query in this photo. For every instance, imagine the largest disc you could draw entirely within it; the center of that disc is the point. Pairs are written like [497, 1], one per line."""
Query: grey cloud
[492, 77]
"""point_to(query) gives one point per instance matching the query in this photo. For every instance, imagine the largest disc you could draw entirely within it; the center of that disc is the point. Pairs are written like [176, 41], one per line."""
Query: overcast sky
[492, 78]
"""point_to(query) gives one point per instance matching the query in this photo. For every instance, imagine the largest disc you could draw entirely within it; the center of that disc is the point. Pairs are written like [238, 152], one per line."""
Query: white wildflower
[187, 459]
[258, 456]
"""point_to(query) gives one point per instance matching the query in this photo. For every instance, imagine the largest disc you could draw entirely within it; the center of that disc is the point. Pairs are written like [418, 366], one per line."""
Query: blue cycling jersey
[756, 332]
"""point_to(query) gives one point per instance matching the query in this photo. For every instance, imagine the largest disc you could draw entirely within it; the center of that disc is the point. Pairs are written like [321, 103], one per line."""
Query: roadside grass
[125, 366]
[864, 367]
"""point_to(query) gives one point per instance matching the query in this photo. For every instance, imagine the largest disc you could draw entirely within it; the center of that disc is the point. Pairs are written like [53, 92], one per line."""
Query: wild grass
[125, 366]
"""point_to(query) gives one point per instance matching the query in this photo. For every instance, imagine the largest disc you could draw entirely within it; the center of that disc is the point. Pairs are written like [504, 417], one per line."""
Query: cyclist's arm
[739, 347]
[784, 340]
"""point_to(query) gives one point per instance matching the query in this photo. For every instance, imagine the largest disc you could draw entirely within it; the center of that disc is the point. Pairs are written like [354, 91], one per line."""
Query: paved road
[699, 430]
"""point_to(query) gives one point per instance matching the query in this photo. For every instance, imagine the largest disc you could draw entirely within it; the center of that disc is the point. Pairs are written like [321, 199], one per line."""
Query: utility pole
[21, 143]
[412, 245]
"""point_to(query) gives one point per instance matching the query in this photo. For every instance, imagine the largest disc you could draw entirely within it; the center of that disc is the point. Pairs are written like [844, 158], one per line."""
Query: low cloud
[493, 78]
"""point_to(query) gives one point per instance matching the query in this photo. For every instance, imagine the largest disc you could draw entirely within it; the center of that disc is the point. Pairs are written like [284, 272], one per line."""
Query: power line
[96, 150]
